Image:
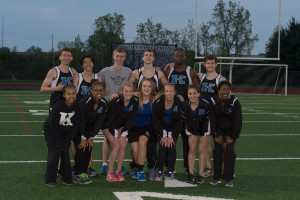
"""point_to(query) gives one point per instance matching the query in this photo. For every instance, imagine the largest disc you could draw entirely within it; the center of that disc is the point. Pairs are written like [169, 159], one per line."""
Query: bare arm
[133, 77]
[195, 78]
[51, 75]
[162, 78]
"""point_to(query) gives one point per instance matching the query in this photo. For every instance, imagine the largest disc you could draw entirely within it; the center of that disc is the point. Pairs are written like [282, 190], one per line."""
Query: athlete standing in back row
[59, 76]
[208, 88]
[182, 76]
[83, 84]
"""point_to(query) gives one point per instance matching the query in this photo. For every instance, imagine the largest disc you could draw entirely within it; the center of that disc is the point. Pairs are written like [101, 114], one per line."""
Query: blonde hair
[126, 84]
[152, 94]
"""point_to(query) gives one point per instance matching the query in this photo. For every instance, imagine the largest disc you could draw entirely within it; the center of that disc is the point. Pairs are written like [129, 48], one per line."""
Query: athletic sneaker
[111, 177]
[120, 176]
[123, 170]
[103, 170]
[141, 176]
[82, 179]
[68, 183]
[52, 184]
[198, 179]
[151, 173]
[169, 177]
[135, 174]
[91, 172]
[165, 173]
[208, 172]
[215, 181]
[229, 183]
[159, 176]
[189, 178]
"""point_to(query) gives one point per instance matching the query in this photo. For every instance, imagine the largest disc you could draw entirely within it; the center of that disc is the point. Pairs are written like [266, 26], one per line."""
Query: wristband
[124, 134]
[83, 138]
[116, 133]
[169, 134]
[165, 134]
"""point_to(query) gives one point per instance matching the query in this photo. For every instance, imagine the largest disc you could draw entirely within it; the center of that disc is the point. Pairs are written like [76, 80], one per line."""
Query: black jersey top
[209, 88]
[83, 88]
[62, 123]
[181, 80]
[154, 78]
[64, 79]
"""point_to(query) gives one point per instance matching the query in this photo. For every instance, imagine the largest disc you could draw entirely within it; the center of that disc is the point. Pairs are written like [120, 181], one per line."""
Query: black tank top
[181, 80]
[64, 79]
[154, 78]
[209, 88]
[84, 88]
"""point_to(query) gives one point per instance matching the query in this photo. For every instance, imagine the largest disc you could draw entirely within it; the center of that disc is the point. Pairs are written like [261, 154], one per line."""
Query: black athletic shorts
[136, 131]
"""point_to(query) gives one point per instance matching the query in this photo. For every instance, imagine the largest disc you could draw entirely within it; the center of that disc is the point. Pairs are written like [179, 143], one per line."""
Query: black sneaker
[187, 171]
[52, 184]
[198, 179]
[68, 183]
[190, 178]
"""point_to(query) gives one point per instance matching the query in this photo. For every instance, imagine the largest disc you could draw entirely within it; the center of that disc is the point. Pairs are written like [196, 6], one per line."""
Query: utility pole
[2, 30]
[52, 53]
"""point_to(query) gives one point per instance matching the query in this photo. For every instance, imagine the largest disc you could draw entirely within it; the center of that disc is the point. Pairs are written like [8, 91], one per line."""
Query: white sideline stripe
[102, 137]
[21, 121]
[269, 113]
[243, 121]
[271, 121]
[130, 160]
[270, 135]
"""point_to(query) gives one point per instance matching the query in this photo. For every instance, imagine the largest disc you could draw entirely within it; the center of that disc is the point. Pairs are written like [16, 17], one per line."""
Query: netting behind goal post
[253, 77]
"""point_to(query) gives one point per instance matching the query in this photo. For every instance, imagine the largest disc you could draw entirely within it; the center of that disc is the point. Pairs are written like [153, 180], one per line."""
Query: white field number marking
[139, 195]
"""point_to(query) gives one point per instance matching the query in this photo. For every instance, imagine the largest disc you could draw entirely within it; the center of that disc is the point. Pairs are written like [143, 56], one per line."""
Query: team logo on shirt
[118, 79]
[100, 110]
[229, 110]
[130, 108]
[201, 111]
[66, 80]
[175, 109]
[85, 90]
[207, 87]
[178, 79]
[65, 118]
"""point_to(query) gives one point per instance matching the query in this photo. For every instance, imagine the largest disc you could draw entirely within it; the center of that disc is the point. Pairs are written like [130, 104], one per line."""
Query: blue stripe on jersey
[167, 118]
[126, 108]
[143, 117]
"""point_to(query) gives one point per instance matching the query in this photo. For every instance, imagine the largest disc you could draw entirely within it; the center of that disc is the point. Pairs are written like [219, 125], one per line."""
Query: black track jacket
[226, 120]
[158, 114]
[117, 118]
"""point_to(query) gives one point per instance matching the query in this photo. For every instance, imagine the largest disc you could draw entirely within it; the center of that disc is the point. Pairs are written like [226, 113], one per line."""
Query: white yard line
[101, 136]
[130, 160]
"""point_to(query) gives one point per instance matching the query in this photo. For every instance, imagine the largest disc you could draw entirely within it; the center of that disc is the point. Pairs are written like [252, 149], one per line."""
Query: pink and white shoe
[111, 177]
[120, 177]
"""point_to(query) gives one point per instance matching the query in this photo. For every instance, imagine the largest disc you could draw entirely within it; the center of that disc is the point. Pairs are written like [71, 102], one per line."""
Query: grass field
[267, 166]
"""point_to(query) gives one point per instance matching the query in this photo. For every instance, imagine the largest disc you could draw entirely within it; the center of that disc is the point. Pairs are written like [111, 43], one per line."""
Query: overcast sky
[32, 22]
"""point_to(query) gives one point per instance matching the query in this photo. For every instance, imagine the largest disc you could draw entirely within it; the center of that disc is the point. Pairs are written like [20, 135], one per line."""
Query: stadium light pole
[2, 30]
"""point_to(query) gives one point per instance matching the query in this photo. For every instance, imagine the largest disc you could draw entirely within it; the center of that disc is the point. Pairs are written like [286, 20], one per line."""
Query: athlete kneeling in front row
[197, 114]
[121, 114]
[94, 110]
[226, 125]
[167, 123]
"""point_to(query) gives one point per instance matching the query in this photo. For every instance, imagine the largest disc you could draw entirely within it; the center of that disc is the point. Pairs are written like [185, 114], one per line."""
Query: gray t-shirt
[114, 79]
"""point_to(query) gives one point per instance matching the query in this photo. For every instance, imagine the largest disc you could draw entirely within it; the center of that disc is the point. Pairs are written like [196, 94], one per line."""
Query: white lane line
[101, 136]
[130, 160]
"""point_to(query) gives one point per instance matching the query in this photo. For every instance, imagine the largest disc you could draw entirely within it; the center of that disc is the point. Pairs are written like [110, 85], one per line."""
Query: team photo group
[147, 108]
